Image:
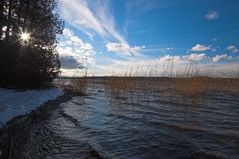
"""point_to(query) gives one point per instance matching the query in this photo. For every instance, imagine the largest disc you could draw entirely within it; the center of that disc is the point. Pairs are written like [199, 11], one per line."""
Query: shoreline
[17, 134]
[16, 131]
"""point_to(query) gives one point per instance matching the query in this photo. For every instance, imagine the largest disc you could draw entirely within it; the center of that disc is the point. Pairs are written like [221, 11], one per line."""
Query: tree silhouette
[28, 41]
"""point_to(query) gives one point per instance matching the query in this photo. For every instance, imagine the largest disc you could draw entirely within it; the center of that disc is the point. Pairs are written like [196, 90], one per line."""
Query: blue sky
[107, 35]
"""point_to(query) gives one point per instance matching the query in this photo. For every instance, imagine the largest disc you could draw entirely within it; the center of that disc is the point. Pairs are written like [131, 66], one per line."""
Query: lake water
[144, 126]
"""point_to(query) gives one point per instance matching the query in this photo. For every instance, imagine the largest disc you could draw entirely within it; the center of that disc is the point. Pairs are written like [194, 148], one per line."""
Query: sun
[25, 37]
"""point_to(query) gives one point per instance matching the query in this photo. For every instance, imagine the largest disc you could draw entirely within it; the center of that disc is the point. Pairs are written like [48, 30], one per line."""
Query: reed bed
[79, 84]
[192, 84]
[202, 86]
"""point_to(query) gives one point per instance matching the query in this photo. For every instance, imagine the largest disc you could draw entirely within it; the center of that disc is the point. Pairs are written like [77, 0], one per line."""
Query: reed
[196, 82]
[75, 83]
[79, 84]
[191, 84]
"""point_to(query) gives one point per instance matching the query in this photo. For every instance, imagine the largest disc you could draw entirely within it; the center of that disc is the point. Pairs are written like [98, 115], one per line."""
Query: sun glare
[25, 36]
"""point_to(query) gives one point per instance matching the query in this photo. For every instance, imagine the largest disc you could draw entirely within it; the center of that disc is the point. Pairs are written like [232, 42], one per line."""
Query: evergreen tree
[28, 41]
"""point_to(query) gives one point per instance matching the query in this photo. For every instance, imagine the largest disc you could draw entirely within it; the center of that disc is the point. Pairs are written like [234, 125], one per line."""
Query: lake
[142, 125]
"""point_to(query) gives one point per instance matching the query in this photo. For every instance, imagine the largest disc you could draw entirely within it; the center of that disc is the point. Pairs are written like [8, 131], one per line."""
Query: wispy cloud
[156, 48]
[201, 48]
[211, 15]
[77, 13]
[97, 19]
[134, 10]
[232, 49]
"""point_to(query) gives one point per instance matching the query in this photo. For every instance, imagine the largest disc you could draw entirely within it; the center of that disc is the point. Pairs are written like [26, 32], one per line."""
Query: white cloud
[144, 66]
[218, 58]
[169, 64]
[152, 62]
[169, 58]
[201, 48]
[73, 49]
[183, 58]
[232, 49]
[78, 13]
[211, 15]
[123, 48]
[95, 18]
[90, 18]
[197, 57]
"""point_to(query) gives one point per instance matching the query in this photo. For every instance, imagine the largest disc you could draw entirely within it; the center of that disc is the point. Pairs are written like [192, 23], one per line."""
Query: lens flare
[25, 37]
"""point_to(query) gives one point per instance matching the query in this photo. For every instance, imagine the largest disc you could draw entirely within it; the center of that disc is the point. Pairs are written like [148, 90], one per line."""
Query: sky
[115, 37]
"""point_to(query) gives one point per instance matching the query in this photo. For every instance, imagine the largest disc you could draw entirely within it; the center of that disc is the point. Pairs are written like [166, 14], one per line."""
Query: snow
[14, 103]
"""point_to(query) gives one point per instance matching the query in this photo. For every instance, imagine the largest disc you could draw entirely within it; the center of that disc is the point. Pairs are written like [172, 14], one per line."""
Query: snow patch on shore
[14, 103]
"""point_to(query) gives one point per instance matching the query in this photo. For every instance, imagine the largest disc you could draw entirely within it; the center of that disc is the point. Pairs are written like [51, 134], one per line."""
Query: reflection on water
[153, 127]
